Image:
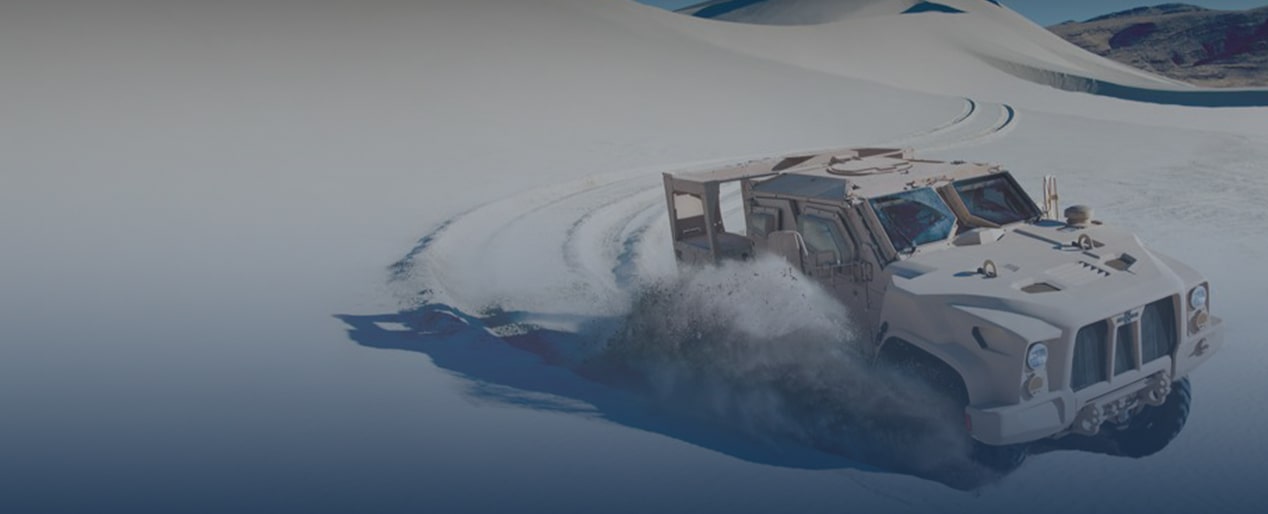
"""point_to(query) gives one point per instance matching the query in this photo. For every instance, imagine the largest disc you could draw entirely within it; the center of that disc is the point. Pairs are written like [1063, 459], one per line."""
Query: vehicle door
[832, 256]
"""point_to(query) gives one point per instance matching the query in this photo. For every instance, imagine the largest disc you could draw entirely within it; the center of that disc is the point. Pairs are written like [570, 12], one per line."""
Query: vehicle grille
[1151, 335]
[1089, 355]
[1158, 329]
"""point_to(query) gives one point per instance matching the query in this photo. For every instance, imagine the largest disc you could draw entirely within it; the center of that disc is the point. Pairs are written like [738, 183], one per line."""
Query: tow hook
[1158, 389]
[1089, 420]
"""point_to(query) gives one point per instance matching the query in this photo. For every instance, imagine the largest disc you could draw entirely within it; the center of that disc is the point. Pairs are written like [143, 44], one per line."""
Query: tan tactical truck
[1039, 328]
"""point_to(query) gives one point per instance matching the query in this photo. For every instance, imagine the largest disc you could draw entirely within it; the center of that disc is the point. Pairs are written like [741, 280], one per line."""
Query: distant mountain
[1198, 45]
[1152, 11]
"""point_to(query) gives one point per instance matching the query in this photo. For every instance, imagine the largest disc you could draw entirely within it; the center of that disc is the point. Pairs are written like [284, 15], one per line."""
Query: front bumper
[1062, 412]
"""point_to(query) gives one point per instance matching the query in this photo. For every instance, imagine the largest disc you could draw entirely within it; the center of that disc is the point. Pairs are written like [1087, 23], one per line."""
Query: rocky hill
[1202, 46]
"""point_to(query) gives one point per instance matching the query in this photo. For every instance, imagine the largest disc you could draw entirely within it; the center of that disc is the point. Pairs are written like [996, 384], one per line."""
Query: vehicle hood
[1042, 274]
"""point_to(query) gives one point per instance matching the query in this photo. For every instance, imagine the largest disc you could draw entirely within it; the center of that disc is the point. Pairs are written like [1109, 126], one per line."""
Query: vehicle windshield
[997, 199]
[913, 218]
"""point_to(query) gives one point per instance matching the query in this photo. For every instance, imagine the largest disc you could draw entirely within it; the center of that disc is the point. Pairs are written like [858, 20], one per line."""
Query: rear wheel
[1156, 426]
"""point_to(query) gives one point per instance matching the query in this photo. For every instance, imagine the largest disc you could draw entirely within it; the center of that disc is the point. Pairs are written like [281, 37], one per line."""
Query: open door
[695, 218]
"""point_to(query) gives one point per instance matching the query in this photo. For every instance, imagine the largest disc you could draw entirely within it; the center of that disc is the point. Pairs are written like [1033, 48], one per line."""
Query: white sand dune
[973, 52]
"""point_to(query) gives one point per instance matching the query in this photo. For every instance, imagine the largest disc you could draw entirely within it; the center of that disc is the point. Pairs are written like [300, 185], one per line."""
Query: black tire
[1156, 426]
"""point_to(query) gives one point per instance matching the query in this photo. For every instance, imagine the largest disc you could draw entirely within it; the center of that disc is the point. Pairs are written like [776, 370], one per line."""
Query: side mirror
[787, 244]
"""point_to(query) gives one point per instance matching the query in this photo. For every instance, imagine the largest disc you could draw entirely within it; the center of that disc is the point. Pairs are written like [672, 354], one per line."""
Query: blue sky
[1048, 12]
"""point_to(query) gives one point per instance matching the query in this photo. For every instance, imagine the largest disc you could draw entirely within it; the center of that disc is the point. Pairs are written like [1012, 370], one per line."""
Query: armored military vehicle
[1038, 327]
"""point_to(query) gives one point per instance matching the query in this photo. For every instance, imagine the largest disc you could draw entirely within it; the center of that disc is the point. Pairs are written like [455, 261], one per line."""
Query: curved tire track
[602, 225]
[975, 129]
[970, 111]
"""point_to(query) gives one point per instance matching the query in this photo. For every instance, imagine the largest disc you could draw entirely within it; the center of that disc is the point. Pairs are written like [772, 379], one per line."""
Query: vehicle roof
[806, 186]
[838, 174]
[867, 173]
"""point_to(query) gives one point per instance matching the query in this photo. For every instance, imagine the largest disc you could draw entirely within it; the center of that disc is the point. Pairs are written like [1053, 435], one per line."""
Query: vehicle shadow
[527, 369]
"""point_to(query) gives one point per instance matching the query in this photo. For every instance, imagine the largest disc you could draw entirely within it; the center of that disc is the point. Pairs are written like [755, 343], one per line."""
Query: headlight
[1037, 357]
[1197, 297]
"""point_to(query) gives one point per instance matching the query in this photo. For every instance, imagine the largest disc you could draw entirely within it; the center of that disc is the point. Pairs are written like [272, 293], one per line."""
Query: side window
[761, 224]
[690, 212]
[822, 235]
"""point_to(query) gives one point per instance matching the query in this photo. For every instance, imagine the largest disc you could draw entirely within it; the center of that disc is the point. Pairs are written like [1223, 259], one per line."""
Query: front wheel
[1156, 426]
[941, 379]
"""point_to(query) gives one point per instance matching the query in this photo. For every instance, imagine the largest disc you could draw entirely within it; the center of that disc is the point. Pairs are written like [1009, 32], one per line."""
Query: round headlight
[1197, 297]
[1037, 357]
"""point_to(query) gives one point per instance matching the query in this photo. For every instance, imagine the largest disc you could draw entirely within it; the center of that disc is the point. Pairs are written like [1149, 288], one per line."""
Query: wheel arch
[902, 347]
